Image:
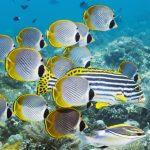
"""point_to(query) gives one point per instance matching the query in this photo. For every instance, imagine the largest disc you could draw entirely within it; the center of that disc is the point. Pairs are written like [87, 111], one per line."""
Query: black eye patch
[89, 104]
[41, 71]
[77, 37]
[46, 113]
[9, 113]
[136, 77]
[112, 24]
[87, 64]
[82, 125]
[137, 89]
[91, 94]
[42, 43]
[89, 38]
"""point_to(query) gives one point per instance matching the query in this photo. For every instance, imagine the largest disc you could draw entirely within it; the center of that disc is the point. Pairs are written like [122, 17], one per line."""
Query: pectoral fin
[121, 97]
[100, 105]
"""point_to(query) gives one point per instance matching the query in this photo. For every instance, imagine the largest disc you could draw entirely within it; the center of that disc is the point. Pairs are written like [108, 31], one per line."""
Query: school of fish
[70, 79]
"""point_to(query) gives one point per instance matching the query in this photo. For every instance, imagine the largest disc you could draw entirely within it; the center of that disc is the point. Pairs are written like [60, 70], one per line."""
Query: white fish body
[110, 139]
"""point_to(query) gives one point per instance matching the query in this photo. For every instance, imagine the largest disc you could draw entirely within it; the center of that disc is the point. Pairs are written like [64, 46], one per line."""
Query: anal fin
[100, 105]
[121, 97]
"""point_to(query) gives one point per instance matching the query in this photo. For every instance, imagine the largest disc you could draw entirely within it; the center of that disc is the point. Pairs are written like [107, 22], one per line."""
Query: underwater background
[130, 41]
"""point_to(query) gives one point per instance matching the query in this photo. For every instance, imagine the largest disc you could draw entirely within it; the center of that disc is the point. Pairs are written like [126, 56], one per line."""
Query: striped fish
[106, 84]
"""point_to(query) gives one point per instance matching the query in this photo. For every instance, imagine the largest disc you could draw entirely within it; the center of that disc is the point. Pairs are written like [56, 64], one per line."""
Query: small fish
[5, 111]
[16, 18]
[24, 7]
[72, 91]
[31, 37]
[30, 108]
[99, 17]
[64, 122]
[80, 56]
[86, 38]
[6, 45]
[116, 135]
[108, 87]
[24, 64]
[63, 33]
[34, 20]
[59, 65]
[84, 5]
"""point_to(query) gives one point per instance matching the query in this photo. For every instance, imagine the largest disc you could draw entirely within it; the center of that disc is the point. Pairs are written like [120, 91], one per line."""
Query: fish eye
[136, 77]
[82, 125]
[42, 35]
[14, 45]
[42, 43]
[9, 113]
[77, 37]
[89, 38]
[42, 60]
[112, 24]
[41, 71]
[139, 134]
[137, 89]
[87, 64]
[91, 94]
[46, 113]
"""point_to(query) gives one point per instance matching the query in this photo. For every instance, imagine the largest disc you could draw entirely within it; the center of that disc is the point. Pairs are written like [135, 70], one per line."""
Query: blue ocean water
[131, 15]
[133, 19]
[48, 11]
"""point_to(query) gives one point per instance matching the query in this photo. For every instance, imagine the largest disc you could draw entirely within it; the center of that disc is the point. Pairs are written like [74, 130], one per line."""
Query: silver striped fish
[108, 86]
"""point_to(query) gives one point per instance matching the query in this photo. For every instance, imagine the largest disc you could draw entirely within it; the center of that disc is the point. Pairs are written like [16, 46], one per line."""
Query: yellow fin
[51, 36]
[57, 94]
[17, 108]
[100, 105]
[19, 40]
[87, 19]
[120, 97]
[10, 65]
[118, 125]
[91, 9]
[75, 71]
[85, 15]
[82, 70]
[47, 34]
